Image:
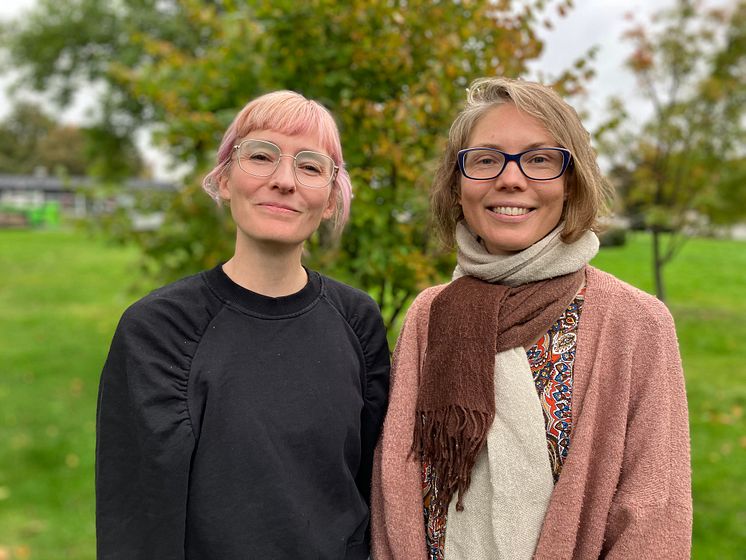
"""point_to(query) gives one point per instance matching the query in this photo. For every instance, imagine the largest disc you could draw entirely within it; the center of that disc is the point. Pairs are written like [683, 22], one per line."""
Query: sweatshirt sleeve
[377, 369]
[651, 512]
[144, 436]
[397, 521]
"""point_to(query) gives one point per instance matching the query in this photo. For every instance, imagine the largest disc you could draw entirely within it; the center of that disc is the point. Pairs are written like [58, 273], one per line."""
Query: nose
[284, 176]
[512, 178]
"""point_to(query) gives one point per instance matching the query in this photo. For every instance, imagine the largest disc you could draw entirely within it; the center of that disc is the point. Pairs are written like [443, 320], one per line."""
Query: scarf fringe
[450, 439]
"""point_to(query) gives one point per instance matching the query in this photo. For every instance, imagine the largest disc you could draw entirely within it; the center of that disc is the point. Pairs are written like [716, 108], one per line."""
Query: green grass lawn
[61, 297]
[62, 294]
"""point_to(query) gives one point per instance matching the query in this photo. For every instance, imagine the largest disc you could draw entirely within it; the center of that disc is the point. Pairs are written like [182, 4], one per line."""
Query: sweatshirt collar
[258, 304]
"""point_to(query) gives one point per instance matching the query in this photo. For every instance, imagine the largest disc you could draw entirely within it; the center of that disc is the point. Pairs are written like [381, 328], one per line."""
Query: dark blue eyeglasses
[537, 164]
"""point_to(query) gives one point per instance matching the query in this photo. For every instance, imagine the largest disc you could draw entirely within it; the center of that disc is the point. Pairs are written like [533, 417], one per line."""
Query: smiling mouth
[510, 210]
[278, 207]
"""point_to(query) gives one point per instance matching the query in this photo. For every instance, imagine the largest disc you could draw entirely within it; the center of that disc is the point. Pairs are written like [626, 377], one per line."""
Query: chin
[279, 238]
[503, 248]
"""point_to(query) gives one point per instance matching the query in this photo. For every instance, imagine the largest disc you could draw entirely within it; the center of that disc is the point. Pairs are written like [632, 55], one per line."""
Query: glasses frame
[333, 176]
[566, 161]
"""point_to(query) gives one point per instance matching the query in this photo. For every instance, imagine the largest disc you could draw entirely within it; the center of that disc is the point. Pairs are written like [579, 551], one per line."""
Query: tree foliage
[32, 141]
[20, 133]
[393, 73]
[681, 172]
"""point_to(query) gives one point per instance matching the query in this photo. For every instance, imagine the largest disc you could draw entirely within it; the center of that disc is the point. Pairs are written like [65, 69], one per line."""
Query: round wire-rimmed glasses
[537, 164]
[261, 158]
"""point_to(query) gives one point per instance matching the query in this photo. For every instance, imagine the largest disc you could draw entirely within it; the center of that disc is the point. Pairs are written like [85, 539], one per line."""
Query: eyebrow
[314, 150]
[528, 147]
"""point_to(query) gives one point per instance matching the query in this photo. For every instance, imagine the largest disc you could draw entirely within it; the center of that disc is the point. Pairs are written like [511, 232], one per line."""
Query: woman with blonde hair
[239, 408]
[537, 407]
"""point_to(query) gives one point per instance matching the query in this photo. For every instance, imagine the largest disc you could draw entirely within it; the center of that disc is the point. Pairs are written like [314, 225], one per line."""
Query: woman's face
[511, 212]
[276, 209]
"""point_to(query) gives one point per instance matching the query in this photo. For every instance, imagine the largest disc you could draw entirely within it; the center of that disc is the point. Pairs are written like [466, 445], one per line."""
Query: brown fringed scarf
[470, 321]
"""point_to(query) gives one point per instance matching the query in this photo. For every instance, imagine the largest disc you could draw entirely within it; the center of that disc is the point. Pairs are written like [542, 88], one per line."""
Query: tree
[392, 72]
[63, 150]
[682, 171]
[30, 140]
[20, 133]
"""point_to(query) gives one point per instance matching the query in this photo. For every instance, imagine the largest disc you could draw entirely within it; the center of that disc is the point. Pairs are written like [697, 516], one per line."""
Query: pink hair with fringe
[286, 112]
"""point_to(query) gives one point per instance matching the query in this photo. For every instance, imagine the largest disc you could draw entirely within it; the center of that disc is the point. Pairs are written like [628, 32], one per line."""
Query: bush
[613, 237]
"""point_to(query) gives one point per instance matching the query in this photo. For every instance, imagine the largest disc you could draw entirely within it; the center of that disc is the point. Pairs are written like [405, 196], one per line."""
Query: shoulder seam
[197, 347]
[323, 295]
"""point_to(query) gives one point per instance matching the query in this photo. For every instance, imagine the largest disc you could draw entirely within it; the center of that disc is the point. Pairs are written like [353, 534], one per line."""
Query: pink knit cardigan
[625, 487]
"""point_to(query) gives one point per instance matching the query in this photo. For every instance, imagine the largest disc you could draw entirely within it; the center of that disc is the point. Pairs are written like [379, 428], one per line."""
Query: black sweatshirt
[233, 425]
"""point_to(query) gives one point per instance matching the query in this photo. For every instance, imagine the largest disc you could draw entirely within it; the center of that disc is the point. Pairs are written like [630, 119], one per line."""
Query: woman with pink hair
[239, 408]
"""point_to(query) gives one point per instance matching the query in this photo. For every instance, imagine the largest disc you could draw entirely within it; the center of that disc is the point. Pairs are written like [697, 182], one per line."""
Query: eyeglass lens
[535, 164]
[261, 159]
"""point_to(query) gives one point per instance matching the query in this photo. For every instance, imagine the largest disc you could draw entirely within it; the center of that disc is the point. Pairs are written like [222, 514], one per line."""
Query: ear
[331, 205]
[224, 190]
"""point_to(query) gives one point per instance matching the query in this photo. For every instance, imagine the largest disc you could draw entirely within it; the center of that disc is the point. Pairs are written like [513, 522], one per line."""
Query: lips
[510, 210]
[277, 206]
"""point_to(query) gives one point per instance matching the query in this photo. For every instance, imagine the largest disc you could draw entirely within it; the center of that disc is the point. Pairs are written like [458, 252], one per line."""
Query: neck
[273, 271]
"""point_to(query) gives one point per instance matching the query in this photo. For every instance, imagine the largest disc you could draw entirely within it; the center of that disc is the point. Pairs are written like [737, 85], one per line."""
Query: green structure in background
[47, 215]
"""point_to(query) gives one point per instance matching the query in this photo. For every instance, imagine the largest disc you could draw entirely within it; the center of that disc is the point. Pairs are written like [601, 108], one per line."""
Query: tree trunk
[660, 289]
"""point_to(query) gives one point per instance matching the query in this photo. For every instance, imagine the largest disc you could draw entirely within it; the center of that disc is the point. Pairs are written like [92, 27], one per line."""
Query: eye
[313, 164]
[538, 158]
[483, 159]
[543, 158]
[310, 167]
[260, 157]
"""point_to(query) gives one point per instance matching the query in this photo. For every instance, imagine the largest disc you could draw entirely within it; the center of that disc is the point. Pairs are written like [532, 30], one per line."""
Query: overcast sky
[589, 23]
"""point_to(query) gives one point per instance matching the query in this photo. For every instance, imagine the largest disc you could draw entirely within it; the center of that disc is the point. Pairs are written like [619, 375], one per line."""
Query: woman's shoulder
[424, 300]
[418, 314]
[344, 296]
[355, 306]
[164, 327]
[184, 300]
[339, 289]
[619, 298]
